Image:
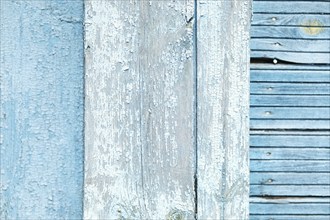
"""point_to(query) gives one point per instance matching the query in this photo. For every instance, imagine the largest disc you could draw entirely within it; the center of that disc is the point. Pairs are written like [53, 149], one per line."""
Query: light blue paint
[41, 109]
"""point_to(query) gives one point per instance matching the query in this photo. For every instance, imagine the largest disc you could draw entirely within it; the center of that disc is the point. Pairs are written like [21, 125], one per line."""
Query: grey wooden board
[295, 57]
[290, 165]
[289, 124]
[140, 153]
[287, 178]
[291, 132]
[289, 113]
[290, 100]
[289, 199]
[294, 67]
[289, 217]
[291, 7]
[290, 190]
[290, 32]
[222, 112]
[290, 45]
[290, 88]
[298, 76]
[289, 141]
[289, 154]
[290, 19]
[309, 208]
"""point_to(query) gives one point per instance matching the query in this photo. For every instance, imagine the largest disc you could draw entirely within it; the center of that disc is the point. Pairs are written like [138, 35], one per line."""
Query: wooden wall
[290, 116]
[41, 109]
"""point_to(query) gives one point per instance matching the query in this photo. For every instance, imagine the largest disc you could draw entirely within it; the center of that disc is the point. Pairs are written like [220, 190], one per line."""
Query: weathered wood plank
[140, 153]
[222, 97]
[289, 124]
[295, 57]
[289, 141]
[41, 119]
[290, 165]
[290, 88]
[291, 19]
[310, 209]
[289, 199]
[289, 154]
[290, 190]
[289, 113]
[311, 133]
[290, 45]
[290, 32]
[291, 7]
[298, 76]
[287, 178]
[290, 100]
[289, 217]
[289, 67]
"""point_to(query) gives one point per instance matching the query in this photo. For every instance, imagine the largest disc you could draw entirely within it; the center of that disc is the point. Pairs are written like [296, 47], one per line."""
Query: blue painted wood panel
[41, 109]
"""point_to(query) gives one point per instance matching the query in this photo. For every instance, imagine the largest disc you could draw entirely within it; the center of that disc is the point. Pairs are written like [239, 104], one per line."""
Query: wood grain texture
[222, 97]
[289, 217]
[290, 124]
[290, 190]
[41, 110]
[294, 57]
[290, 154]
[294, 209]
[298, 76]
[290, 100]
[310, 32]
[290, 165]
[290, 88]
[289, 113]
[290, 45]
[320, 20]
[140, 153]
[291, 7]
[287, 178]
[289, 141]
[292, 67]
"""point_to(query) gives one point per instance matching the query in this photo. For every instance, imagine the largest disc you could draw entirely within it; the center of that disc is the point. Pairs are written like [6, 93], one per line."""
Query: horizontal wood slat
[300, 76]
[257, 208]
[289, 154]
[292, 45]
[291, 67]
[290, 190]
[289, 166]
[287, 178]
[290, 32]
[289, 217]
[289, 113]
[291, 19]
[289, 141]
[295, 57]
[290, 100]
[290, 124]
[289, 199]
[291, 7]
[290, 88]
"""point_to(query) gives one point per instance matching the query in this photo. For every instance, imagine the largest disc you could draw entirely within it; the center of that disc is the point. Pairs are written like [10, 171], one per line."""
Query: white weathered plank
[140, 155]
[290, 165]
[290, 67]
[287, 178]
[289, 113]
[291, 19]
[289, 199]
[298, 76]
[289, 141]
[290, 190]
[222, 97]
[290, 153]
